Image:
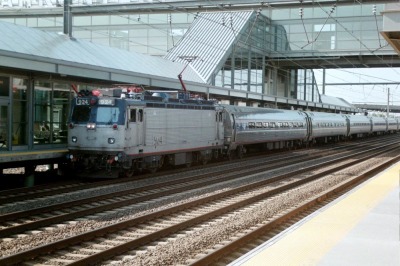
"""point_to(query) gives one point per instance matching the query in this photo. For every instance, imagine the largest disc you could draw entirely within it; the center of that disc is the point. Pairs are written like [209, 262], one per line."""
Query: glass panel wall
[3, 127]
[256, 73]
[42, 112]
[51, 107]
[20, 111]
[224, 76]
[307, 89]
[348, 28]
[4, 86]
[62, 96]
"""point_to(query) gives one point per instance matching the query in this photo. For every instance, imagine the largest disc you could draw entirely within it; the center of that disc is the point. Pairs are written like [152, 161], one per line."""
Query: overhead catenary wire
[300, 64]
[224, 7]
[275, 36]
[321, 28]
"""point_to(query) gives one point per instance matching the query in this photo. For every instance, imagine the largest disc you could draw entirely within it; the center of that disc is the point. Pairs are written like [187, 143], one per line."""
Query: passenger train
[128, 133]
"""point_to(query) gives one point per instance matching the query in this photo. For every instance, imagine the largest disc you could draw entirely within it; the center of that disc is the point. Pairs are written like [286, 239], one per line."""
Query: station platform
[359, 228]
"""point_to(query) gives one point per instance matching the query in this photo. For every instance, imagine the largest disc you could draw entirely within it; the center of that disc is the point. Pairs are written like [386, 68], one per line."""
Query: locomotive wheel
[129, 173]
[240, 151]
[229, 155]
[153, 170]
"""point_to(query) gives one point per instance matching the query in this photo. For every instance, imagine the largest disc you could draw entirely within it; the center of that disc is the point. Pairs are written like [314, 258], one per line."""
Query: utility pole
[387, 110]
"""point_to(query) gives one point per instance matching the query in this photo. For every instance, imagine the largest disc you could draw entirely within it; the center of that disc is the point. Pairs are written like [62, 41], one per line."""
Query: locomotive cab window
[132, 117]
[140, 115]
[107, 115]
[218, 117]
[81, 114]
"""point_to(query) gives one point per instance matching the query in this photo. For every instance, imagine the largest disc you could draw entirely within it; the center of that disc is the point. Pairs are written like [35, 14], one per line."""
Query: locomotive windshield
[81, 114]
[107, 115]
[99, 114]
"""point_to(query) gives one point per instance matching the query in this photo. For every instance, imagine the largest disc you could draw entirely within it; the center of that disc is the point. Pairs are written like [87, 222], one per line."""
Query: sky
[370, 94]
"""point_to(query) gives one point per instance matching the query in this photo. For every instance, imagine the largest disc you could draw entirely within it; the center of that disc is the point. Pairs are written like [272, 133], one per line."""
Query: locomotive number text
[80, 101]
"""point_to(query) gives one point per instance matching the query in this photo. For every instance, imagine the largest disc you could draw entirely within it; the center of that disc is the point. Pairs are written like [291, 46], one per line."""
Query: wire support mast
[376, 22]
[301, 14]
[170, 27]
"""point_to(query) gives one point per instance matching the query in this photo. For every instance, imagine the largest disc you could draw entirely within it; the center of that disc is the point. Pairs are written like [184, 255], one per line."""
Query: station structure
[238, 52]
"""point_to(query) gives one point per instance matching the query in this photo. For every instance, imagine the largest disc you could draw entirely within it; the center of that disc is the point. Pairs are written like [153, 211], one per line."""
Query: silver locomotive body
[115, 136]
[176, 133]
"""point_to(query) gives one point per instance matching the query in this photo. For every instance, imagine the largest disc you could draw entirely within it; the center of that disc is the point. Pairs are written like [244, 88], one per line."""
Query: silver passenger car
[379, 125]
[247, 125]
[326, 125]
[359, 125]
[393, 124]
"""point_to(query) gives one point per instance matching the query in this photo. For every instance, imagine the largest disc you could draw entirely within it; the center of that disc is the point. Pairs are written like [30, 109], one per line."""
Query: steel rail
[226, 176]
[234, 245]
[117, 250]
[91, 210]
[23, 256]
[8, 196]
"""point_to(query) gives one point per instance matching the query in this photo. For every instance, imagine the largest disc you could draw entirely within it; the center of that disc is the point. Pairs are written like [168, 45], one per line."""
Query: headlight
[111, 140]
[91, 126]
[74, 139]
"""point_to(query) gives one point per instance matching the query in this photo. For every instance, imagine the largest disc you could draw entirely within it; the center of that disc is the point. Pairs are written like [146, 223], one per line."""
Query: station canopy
[36, 50]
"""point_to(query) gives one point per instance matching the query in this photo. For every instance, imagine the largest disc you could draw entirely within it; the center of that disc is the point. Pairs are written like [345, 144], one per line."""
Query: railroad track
[252, 243]
[29, 194]
[223, 254]
[33, 219]
[161, 225]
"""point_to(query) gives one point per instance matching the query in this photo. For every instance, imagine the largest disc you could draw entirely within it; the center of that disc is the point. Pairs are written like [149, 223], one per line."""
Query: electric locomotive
[137, 132]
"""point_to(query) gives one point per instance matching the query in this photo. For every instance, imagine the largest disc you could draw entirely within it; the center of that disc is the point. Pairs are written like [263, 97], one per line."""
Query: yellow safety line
[307, 244]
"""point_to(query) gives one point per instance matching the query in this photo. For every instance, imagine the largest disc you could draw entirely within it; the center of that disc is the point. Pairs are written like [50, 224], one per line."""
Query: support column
[248, 70]
[263, 76]
[233, 63]
[67, 18]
